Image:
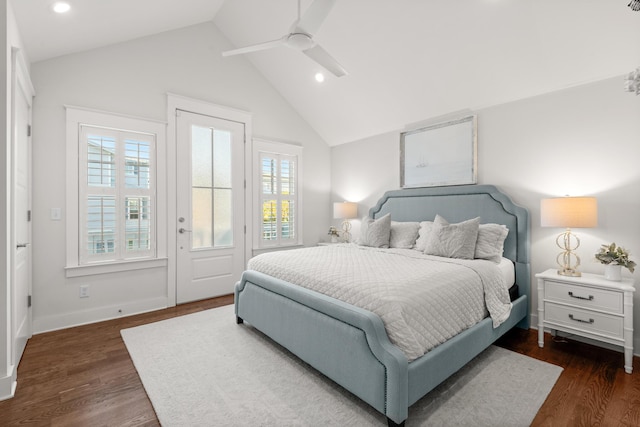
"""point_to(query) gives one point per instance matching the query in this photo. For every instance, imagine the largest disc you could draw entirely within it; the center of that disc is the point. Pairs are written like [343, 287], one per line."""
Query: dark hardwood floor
[83, 376]
[593, 389]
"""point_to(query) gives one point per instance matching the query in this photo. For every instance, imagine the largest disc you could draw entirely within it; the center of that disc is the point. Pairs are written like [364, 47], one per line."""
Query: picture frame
[440, 155]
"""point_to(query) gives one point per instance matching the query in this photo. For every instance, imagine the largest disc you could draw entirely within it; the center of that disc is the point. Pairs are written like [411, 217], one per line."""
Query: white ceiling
[96, 23]
[408, 60]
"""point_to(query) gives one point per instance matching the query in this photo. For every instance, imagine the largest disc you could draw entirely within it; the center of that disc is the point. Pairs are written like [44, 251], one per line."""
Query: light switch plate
[56, 214]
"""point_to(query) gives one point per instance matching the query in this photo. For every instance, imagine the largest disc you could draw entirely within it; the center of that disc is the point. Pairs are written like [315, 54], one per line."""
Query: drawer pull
[580, 320]
[590, 298]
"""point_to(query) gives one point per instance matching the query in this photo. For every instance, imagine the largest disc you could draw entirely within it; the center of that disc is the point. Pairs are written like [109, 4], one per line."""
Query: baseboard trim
[8, 385]
[99, 314]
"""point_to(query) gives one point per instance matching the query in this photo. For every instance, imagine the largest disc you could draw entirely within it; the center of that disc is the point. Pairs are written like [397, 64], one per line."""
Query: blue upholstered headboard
[459, 203]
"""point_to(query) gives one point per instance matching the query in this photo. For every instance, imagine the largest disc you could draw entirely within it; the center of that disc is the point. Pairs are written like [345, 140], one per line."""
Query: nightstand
[589, 306]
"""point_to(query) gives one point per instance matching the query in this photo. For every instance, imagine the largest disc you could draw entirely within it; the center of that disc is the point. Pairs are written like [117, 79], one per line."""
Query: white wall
[133, 78]
[579, 141]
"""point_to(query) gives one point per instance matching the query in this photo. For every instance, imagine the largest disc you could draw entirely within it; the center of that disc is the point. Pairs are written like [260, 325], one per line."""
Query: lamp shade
[569, 212]
[345, 210]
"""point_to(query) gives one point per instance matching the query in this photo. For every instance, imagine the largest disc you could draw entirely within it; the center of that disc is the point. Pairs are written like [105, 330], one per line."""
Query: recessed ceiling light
[319, 77]
[61, 7]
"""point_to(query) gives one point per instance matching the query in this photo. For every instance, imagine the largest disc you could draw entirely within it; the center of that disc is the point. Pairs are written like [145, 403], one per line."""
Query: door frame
[178, 102]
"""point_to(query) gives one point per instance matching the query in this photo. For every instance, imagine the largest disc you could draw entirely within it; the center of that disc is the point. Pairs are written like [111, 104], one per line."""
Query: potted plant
[333, 232]
[614, 258]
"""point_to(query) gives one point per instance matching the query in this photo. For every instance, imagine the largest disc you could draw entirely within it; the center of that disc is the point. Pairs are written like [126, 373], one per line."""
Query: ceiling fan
[300, 37]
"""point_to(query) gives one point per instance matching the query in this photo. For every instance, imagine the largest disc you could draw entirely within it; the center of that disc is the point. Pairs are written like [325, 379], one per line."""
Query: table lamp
[568, 212]
[345, 211]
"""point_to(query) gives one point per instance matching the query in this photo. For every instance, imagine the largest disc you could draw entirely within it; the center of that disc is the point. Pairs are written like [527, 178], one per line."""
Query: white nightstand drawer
[585, 320]
[597, 299]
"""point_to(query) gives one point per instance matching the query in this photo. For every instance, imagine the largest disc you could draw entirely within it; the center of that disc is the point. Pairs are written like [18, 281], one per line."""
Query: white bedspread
[423, 300]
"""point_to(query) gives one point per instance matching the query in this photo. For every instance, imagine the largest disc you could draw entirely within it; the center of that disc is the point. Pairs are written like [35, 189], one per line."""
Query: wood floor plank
[625, 403]
[84, 377]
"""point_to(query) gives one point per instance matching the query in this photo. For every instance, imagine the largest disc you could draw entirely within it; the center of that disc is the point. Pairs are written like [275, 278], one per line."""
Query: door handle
[21, 245]
[182, 230]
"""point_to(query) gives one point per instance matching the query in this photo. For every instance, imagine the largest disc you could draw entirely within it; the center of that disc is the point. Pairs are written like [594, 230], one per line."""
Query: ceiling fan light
[300, 41]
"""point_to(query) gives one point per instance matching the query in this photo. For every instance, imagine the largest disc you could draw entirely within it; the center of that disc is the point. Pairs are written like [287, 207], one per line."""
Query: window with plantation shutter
[112, 205]
[277, 168]
[116, 193]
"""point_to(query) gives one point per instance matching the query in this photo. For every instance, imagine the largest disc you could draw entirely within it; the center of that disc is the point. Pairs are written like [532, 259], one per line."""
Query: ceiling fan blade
[313, 17]
[256, 47]
[322, 57]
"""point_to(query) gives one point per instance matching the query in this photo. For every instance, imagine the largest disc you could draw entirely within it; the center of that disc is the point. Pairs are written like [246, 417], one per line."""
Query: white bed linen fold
[422, 300]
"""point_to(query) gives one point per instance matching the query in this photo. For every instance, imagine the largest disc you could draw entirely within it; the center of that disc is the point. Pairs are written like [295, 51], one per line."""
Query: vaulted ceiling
[408, 60]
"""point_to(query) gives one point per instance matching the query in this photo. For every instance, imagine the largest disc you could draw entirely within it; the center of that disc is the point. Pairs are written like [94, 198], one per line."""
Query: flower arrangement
[616, 255]
[333, 232]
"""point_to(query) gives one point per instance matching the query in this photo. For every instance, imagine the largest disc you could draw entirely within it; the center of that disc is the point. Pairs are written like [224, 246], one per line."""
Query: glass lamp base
[569, 272]
[565, 258]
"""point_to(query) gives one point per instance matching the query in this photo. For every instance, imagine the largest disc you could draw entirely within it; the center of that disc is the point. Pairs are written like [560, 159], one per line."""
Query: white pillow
[453, 240]
[403, 234]
[490, 243]
[375, 233]
[423, 235]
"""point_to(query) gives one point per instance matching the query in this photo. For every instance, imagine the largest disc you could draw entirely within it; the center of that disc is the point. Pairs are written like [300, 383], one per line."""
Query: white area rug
[204, 370]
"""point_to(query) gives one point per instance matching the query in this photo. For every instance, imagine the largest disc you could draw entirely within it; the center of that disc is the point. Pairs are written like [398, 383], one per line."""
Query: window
[211, 188]
[116, 194]
[278, 172]
[112, 205]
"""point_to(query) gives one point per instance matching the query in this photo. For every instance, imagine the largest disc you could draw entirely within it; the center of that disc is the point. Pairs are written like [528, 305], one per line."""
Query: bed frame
[350, 345]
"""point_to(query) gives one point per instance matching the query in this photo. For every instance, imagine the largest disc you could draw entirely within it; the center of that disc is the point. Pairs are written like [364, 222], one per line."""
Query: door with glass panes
[210, 206]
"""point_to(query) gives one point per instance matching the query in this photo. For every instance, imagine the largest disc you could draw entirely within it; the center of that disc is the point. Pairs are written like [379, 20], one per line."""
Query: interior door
[21, 277]
[210, 206]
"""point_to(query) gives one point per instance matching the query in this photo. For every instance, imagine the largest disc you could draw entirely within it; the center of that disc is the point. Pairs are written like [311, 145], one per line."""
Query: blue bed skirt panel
[446, 359]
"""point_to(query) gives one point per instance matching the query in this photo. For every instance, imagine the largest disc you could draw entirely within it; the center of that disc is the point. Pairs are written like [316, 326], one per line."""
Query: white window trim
[75, 117]
[265, 146]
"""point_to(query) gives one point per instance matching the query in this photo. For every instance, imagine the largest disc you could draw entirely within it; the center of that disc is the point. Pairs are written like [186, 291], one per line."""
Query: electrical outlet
[84, 291]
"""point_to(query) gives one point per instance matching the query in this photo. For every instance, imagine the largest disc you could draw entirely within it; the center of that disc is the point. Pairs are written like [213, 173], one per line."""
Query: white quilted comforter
[422, 300]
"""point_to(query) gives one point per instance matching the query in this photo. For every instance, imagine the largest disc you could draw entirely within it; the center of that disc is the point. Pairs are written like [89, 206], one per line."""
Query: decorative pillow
[453, 240]
[403, 234]
[375, 233]
[490, 243]
[423, 235]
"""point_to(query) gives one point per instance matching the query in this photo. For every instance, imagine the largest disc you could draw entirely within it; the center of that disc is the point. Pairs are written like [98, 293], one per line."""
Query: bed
[350, 344]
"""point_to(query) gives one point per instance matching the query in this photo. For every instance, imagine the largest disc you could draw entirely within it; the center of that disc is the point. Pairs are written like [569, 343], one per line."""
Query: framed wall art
[439, 155]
